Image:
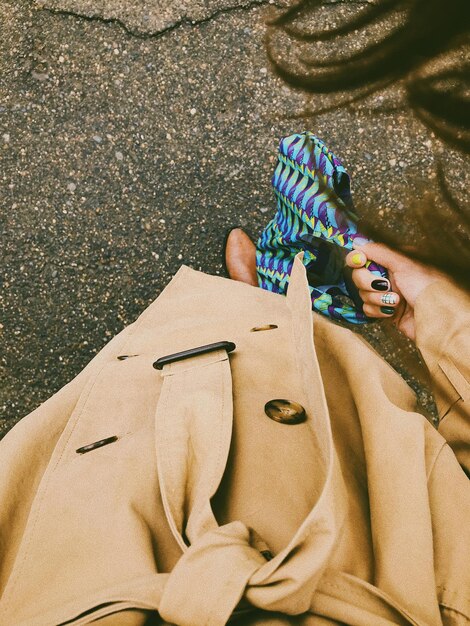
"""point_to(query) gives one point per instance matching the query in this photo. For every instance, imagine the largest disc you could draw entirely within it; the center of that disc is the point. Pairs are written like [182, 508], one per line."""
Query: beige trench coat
[364, 506]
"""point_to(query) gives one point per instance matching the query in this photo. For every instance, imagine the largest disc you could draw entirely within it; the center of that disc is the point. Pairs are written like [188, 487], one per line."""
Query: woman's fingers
[379, 305]
[356, 259]
[363, 279]
[374, 290]
[379, 299]
[381, 254]
[361, 276]
[378, 311]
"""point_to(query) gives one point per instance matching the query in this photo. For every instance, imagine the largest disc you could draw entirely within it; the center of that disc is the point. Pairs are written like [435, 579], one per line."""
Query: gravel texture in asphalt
[132, 135]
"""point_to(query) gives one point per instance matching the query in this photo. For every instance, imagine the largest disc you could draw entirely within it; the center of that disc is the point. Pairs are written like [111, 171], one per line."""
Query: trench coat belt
[193, 431]
[219, 564]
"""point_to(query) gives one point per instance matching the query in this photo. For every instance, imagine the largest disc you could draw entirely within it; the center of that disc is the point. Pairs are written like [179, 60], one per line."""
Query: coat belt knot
[210, 578]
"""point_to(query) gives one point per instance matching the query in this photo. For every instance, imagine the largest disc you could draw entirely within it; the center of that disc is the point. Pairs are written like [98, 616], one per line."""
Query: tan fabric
[364, 506]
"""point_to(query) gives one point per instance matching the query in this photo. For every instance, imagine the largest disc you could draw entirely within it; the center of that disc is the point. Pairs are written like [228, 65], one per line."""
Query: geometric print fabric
[315, 214]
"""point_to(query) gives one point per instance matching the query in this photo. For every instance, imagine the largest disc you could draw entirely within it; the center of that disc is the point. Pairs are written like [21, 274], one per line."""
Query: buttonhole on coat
[268, 555]
[265, 327]
[96, 444]
[123, 357]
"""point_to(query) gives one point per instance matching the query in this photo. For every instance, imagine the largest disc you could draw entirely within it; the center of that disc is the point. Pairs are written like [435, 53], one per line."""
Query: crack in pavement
[184, 21]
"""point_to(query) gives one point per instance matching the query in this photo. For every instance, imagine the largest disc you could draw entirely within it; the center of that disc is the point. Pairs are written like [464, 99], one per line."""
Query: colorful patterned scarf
[315, 214]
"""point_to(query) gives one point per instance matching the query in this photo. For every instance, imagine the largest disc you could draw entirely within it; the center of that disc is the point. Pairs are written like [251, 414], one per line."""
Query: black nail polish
[388, 310]
[380, 285]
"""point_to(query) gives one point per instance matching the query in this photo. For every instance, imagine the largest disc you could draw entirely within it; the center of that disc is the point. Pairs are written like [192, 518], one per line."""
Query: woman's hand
[394, 298]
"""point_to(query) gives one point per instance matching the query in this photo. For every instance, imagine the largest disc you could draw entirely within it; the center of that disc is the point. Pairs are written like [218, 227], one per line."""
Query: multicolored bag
[315, 214]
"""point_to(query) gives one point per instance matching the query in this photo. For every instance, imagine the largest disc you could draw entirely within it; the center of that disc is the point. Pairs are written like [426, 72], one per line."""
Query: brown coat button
[285, 411]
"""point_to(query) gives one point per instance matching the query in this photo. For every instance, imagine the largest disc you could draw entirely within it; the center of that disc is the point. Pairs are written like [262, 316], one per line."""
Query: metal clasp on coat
[229, 346]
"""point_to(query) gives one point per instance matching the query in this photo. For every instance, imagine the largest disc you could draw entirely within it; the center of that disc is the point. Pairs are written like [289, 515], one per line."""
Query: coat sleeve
[442, 317]
[449, 499]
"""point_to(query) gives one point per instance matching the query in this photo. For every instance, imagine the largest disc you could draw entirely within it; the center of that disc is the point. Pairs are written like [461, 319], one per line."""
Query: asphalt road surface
[132, 134]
